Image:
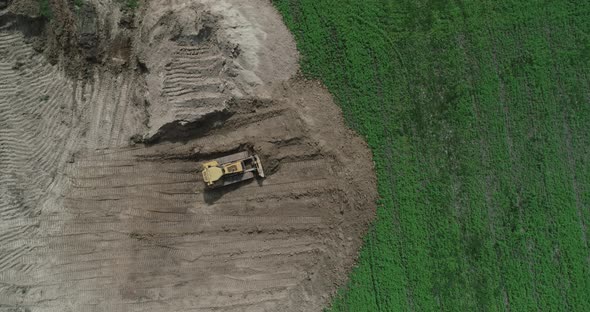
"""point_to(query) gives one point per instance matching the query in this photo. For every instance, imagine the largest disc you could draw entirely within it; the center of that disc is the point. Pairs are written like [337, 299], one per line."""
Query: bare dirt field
[102, 207]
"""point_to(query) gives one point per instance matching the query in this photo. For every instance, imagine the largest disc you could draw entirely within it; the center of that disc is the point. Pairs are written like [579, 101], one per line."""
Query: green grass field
[45, 9]
[478, 115]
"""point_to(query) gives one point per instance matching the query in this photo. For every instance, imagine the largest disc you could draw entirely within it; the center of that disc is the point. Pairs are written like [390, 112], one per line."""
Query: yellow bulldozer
[231, 169]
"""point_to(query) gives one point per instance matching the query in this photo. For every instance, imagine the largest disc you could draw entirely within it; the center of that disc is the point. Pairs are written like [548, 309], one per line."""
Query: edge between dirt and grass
[475, 115]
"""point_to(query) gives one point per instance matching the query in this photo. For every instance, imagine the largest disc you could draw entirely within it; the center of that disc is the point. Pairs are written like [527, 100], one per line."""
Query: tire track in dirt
[34, 119]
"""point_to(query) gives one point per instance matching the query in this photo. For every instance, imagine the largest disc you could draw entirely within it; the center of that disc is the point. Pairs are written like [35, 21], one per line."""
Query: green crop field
[478, 115]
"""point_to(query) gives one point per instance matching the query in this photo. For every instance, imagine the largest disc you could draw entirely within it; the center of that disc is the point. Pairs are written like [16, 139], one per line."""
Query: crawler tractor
[231, 169]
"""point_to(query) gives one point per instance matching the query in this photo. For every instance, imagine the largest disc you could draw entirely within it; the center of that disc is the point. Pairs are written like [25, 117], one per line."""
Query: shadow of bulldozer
[210, 196]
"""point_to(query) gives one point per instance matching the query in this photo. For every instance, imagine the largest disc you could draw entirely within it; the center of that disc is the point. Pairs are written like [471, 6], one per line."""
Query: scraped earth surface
[102, 206]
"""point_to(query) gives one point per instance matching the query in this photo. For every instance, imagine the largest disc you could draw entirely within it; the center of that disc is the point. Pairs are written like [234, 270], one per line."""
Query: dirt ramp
[199, 55]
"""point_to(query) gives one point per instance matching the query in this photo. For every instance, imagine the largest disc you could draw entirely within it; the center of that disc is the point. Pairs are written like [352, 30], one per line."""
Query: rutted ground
[103, 207]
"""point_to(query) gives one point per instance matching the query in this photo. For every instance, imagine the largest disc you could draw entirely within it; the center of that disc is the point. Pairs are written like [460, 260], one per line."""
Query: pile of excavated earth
[106, 114]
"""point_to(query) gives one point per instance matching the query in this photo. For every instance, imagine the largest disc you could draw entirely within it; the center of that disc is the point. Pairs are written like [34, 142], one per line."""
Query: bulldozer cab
[233, 168]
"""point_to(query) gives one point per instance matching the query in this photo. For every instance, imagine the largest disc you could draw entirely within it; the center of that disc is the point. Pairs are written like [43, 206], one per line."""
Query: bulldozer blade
[259, 166]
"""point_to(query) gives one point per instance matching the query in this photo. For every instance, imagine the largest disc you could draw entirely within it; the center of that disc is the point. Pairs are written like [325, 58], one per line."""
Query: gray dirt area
[108, 110]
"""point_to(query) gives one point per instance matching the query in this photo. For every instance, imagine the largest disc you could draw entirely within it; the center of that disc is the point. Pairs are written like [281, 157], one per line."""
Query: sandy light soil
[102, 207]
